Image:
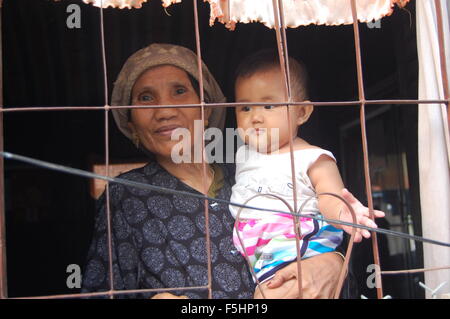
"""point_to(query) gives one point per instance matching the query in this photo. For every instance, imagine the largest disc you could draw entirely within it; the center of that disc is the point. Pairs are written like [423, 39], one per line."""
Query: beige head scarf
[162, 54]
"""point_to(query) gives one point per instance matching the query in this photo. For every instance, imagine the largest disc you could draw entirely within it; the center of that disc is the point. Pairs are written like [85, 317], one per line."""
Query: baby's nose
[257, 115]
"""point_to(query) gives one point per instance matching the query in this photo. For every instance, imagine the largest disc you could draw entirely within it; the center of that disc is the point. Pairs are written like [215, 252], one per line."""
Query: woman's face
[163, 85]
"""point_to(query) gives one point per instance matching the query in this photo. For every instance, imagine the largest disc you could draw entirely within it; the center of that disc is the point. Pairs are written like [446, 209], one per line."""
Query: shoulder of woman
[145, 170]
[141, 174]
[228, 170]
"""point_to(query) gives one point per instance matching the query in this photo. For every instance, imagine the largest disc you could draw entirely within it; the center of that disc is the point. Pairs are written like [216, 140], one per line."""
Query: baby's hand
[362, 216]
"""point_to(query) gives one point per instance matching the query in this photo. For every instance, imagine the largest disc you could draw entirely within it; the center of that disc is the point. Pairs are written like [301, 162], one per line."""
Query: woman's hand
[319, 279]
[166, 295]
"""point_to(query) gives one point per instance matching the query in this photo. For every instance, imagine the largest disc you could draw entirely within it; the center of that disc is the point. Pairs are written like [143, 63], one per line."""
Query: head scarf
[163, 54]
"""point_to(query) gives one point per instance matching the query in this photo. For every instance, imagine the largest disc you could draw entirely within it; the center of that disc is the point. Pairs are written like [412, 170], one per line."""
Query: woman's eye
[269, 107]
[145, 98]
[180, 90]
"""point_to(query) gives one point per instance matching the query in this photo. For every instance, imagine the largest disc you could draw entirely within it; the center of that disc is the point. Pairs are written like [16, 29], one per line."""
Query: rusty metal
[241, 242]
[284, 67]
[362, 99]
[3, 273]
[204, 175]
[441, 40]
[69, 170]
[282, 49]
[107, 171]
[112, 292]
[213, 105]
[413, 271]
[343, 272]
[348, 253]
[444, 75]
[126, 182]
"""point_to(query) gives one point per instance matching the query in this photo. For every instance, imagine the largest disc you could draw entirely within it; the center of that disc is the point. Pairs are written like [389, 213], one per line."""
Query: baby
[263, 166]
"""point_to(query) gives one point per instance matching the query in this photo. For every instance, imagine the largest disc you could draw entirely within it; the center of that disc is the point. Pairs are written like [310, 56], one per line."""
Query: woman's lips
[166, 130]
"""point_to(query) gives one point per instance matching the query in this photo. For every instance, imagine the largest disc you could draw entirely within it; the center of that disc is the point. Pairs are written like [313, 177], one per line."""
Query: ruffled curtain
[296, 13]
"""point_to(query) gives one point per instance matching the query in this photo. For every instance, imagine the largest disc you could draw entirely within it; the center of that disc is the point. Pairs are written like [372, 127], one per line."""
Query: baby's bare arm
[325, 178]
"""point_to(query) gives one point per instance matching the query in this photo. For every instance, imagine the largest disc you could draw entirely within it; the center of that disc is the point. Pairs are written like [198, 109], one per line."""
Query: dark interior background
[49, 215]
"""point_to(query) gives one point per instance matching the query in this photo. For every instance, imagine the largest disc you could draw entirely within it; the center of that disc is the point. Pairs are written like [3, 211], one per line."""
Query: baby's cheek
[242, 133]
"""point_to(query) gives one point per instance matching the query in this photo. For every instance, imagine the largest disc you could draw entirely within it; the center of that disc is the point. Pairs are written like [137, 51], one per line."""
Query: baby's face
[265, 127]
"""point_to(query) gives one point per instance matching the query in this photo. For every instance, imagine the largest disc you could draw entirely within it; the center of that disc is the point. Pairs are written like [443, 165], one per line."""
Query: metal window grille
[281, 40]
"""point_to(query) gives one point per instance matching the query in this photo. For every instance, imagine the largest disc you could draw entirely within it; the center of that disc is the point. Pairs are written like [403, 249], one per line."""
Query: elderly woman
[158, 239]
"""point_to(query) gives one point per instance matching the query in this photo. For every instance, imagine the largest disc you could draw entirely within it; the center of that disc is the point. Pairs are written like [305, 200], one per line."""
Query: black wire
[79, 172]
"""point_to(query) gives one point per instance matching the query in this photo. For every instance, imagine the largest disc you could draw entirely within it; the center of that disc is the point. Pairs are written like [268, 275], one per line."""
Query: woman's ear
[134, 135]
[131, 127]
[208, 112]
[304, 113]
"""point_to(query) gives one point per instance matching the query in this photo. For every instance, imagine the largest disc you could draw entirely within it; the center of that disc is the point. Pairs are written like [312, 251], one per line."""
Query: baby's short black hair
[268, 59]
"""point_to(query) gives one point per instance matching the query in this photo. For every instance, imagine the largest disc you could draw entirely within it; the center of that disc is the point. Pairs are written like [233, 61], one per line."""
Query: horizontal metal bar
[412, 271]
[213, 105]
[111, 292]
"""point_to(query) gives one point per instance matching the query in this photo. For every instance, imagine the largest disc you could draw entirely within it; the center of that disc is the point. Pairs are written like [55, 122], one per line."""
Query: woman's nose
[165, 113]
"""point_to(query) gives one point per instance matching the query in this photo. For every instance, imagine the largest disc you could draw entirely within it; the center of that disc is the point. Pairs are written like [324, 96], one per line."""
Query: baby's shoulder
[310, 154]
[308, 147]
[304, 145]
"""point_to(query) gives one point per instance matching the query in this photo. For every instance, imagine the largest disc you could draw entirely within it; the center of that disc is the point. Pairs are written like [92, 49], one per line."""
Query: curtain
[432, 143]
[297, 13]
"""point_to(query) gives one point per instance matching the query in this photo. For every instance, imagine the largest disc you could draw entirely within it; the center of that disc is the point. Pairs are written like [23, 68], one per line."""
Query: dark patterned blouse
[158, 239]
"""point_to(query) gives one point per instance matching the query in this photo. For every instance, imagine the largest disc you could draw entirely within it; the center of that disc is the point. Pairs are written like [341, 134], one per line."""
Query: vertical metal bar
[443, 61]
[444, 74]
[3, 276]
[365, 146]
[282, 46]
[105, 72]
[106, 113]
[205, 186]
[284, 66]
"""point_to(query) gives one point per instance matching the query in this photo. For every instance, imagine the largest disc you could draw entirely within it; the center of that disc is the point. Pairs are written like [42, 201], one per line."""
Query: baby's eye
[245, 109]
[269, 107]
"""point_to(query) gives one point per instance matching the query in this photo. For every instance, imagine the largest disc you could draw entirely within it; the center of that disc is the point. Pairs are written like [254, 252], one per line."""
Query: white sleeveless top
[258, 173]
